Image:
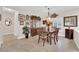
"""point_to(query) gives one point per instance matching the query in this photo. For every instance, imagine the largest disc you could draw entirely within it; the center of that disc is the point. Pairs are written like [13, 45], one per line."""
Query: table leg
[47, 38]
[50, 41]
[54, 40]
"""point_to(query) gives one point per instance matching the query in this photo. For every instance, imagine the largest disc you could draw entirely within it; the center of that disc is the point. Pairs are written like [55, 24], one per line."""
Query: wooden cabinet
[34, 31]
[35, 24]
[69, 33]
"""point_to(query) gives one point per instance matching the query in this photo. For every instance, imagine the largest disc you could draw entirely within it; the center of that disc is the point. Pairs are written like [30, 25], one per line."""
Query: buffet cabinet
[34, 31]
[69, 33]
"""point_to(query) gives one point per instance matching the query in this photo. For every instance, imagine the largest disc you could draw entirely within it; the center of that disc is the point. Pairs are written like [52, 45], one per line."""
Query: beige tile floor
[11, 44]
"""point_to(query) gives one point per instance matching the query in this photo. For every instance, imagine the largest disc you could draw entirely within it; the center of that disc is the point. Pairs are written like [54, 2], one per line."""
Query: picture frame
[21, 18]
[70, 21]
[27, 17]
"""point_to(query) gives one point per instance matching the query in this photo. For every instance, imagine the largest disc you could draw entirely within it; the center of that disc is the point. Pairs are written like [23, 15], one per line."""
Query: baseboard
[21, 37]
[62, 35]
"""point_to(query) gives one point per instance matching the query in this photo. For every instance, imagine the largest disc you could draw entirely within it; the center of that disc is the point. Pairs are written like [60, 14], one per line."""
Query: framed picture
[70, 21]
[27, 17]
[0, 17]
[21, 22]
[21, 18]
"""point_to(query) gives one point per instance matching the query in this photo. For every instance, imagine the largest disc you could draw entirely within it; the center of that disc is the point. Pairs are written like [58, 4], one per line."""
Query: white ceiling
[43, 9]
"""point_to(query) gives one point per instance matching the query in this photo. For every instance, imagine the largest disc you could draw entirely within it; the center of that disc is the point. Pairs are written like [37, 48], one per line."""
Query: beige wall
[6, 29]
[76, 29]
[76, 38]
[0, 27]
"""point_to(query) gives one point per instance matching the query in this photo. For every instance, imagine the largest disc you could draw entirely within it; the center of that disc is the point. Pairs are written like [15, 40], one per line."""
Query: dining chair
[54, 36]
[56, 33]
[42, 35]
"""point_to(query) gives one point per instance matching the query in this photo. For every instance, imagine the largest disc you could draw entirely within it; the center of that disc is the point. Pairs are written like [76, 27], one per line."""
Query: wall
[76, 12]
[76, 38]
[76, 29]
[15, 28]
[18, 32]
[6, 29]
[59, 23]
[0, 27]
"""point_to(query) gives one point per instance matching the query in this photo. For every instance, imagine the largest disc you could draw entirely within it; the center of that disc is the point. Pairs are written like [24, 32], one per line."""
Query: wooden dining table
[49, 34]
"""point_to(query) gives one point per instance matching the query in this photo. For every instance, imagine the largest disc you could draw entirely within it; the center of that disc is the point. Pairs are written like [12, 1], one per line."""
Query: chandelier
[54, 15]
[50, 16]
[48, 20]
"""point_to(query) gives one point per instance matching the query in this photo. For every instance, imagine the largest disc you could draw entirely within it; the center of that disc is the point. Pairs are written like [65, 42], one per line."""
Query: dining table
[49, 34]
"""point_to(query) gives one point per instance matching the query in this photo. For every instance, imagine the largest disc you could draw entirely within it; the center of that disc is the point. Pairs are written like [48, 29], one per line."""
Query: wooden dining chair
[54, 36]
[56, 33]
[42, 35]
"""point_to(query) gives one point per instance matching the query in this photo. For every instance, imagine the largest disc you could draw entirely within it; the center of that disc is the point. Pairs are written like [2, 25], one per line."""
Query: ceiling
[43, 9]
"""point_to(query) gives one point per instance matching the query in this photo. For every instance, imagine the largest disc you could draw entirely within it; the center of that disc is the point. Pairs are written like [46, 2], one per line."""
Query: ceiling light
[54, 15]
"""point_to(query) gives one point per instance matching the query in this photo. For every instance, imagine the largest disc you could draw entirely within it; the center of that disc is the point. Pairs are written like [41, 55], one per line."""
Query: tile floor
[11, 44]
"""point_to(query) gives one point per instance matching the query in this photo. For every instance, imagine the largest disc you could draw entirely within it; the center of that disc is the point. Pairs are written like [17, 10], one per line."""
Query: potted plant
[26, 31]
